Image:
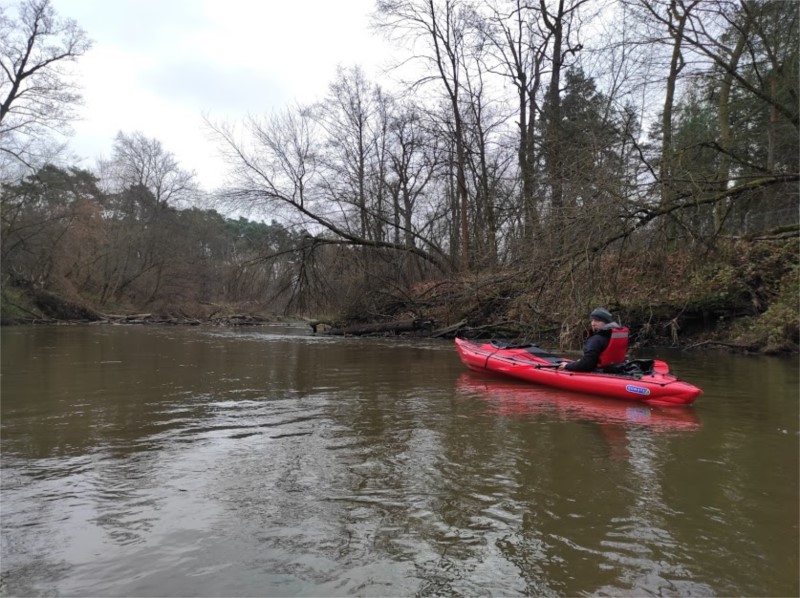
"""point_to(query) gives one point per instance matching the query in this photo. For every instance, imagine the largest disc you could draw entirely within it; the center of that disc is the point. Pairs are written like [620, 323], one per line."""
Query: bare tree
[348, 115]
[414, 155]
[443, 27]
[675, 16]
[141, 161]
[725, 137]
[483, 120]
[514, 31]
[277, 167]
[37, 96]
[560, 23]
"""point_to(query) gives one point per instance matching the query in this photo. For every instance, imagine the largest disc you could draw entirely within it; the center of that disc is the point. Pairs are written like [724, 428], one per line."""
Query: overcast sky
[158, 65]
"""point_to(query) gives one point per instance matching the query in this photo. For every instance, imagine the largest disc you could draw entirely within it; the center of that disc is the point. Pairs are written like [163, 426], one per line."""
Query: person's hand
[562, 365]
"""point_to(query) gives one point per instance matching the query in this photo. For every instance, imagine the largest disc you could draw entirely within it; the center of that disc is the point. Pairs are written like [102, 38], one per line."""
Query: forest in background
[539, 159]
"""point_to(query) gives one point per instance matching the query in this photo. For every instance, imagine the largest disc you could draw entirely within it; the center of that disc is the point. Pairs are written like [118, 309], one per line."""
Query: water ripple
[272, 462]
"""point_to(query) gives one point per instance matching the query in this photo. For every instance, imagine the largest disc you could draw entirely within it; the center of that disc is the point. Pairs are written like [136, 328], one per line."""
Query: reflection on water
[510, 397]
[149, 461]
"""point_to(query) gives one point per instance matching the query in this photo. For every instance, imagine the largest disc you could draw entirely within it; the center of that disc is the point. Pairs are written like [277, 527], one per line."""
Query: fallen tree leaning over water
[744, 300]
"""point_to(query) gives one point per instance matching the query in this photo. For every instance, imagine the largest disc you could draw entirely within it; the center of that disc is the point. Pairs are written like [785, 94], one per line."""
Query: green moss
[16, 306]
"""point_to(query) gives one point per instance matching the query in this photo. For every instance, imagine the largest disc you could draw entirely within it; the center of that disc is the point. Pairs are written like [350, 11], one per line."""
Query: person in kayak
[606, 346]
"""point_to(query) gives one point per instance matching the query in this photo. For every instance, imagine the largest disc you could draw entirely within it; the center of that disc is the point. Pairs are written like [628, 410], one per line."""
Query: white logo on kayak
[637, 389]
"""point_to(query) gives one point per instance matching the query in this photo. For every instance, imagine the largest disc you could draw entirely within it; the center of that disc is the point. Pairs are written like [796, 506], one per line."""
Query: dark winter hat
[602, 314]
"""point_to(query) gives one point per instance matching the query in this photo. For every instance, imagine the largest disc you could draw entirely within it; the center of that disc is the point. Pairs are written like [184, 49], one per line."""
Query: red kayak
[642, 381]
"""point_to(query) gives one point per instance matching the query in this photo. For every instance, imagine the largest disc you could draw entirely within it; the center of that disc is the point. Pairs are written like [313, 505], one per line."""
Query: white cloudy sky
[158, 65]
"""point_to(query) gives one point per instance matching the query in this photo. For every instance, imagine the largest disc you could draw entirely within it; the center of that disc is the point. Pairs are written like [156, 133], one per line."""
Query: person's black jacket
[592, 349]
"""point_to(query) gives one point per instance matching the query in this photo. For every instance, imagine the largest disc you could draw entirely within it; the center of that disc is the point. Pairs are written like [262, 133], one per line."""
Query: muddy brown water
[149, 461]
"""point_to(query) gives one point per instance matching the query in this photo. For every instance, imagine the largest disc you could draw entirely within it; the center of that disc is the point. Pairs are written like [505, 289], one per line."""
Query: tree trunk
[382, 327]
[723, 173]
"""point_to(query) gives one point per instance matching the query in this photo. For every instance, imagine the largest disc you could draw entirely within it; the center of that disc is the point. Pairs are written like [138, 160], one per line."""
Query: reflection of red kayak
[654, 385]
[508, 397]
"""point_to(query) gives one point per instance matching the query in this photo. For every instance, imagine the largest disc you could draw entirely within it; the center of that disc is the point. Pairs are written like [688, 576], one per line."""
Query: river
[190, 461]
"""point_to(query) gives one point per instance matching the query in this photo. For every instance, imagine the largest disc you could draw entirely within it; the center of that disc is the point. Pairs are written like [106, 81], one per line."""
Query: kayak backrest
[645, 366]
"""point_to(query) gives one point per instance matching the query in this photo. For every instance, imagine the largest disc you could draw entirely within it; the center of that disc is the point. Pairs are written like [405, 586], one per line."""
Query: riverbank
[745, 300]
